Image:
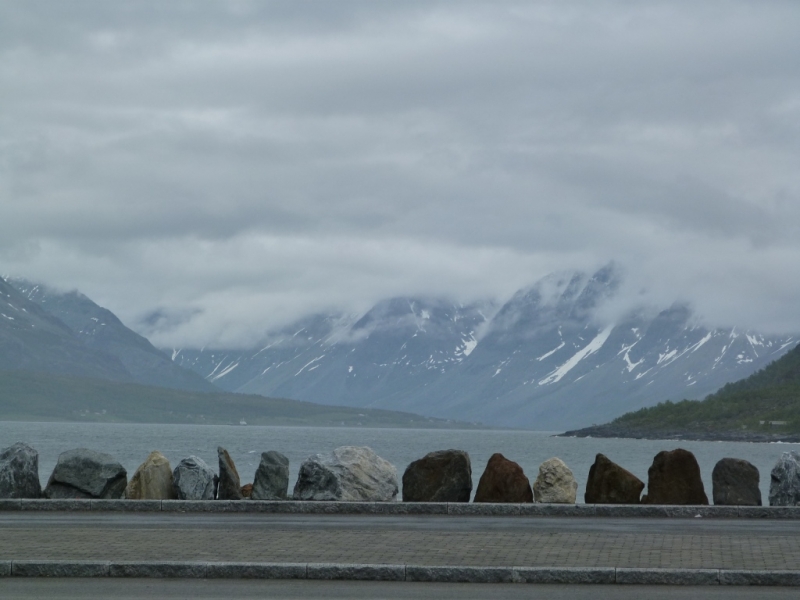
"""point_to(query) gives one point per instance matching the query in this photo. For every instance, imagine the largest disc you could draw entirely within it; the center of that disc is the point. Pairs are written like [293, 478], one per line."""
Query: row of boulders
[446, 476]
[357, 474]
[674, 478]
[84, 473]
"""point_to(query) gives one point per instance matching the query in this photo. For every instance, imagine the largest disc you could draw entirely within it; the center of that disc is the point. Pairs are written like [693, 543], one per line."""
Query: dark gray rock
[349, 474]
[608, 483]
[83, 473]
[271, 481]
[19, 472]
[784, 485]
[674, 478]
[230, 486]
[193, 479]
[735, 483]
[441, 476]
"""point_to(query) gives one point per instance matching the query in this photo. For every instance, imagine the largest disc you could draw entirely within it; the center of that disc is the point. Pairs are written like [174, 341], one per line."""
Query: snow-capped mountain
[395, 350]
[543, 360]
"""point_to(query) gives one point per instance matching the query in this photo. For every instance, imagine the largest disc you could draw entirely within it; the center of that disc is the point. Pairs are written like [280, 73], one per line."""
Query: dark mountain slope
[762, 407]
[100, 332]
[33, 340]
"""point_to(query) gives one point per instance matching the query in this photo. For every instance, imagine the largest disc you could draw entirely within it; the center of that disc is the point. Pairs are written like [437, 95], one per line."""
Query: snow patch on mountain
[590, 349]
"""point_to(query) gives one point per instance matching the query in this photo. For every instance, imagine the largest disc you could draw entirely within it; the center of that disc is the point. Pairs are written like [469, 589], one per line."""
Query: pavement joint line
[398, 572]
[403, 508]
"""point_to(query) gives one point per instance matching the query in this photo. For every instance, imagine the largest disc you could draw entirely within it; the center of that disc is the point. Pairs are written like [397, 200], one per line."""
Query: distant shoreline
[611, 431]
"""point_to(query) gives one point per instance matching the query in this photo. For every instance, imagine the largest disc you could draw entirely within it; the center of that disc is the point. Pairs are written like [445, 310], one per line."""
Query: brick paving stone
[346, 542]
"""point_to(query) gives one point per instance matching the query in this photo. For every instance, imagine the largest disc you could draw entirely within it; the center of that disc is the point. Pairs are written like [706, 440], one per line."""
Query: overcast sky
[235, 165]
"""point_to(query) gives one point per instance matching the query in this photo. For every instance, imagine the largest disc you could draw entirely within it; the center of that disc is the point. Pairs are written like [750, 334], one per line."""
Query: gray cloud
[238, 163]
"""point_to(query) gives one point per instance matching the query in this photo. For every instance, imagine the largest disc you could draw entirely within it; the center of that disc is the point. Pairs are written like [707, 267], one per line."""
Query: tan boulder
[152, 480]
[555, 484]
[230, 486]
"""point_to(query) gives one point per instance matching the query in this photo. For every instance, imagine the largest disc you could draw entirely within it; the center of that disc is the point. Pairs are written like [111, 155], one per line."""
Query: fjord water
[131, 443]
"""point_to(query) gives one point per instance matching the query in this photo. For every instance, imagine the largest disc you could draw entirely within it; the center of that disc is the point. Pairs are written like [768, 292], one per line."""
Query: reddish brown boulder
[503, 481]
[246, 490]
[230, 485]
[609, 483]
[674, 478]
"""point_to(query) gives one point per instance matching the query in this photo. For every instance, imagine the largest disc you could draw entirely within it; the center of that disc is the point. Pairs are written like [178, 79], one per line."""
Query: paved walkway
[428, 540]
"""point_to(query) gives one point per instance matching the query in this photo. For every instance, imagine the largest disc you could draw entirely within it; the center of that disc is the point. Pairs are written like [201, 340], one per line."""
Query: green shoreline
[27, 396]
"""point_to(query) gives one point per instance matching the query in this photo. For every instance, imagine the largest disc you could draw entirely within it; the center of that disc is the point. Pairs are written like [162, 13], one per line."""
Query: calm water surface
[131, 443]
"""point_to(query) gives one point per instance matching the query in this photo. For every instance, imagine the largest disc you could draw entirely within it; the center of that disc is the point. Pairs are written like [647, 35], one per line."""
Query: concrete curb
[743, 577]
[668, 576]
[405, 508]
[356, 572]
[59, 568]
[460, 574]
[591, 575]
[378, 572]
[173, 569]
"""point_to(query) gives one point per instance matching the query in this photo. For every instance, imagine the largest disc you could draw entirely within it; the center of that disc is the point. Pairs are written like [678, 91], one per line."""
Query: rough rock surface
[230, 486]
[784, 485]
[441, 476]
[608, 483]
[83, 473]
[19, 472]
[503, 480]
[350, 474]
[674, 478]
[246, 490]
[271, 481]
[735, 482]
[152, 480]
[555, 484]
[193, 479]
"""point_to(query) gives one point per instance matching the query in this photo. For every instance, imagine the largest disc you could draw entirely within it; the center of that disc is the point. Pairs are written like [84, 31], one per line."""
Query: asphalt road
[136, 589]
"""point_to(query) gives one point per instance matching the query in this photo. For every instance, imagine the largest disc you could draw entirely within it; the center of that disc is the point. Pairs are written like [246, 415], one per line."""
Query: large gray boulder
[735, 483]
[784, 485]
[230, 486]
[441, 476]
[152, 480]
[193, 479]
[19, 472]
[350, 474]
[271, 481]
[555, 484]
[83, 473]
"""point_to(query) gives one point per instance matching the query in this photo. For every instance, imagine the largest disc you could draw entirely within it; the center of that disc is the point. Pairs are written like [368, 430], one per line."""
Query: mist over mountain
[549, 358]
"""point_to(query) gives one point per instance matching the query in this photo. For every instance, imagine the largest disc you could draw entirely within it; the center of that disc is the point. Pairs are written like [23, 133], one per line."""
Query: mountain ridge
[543, 360]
